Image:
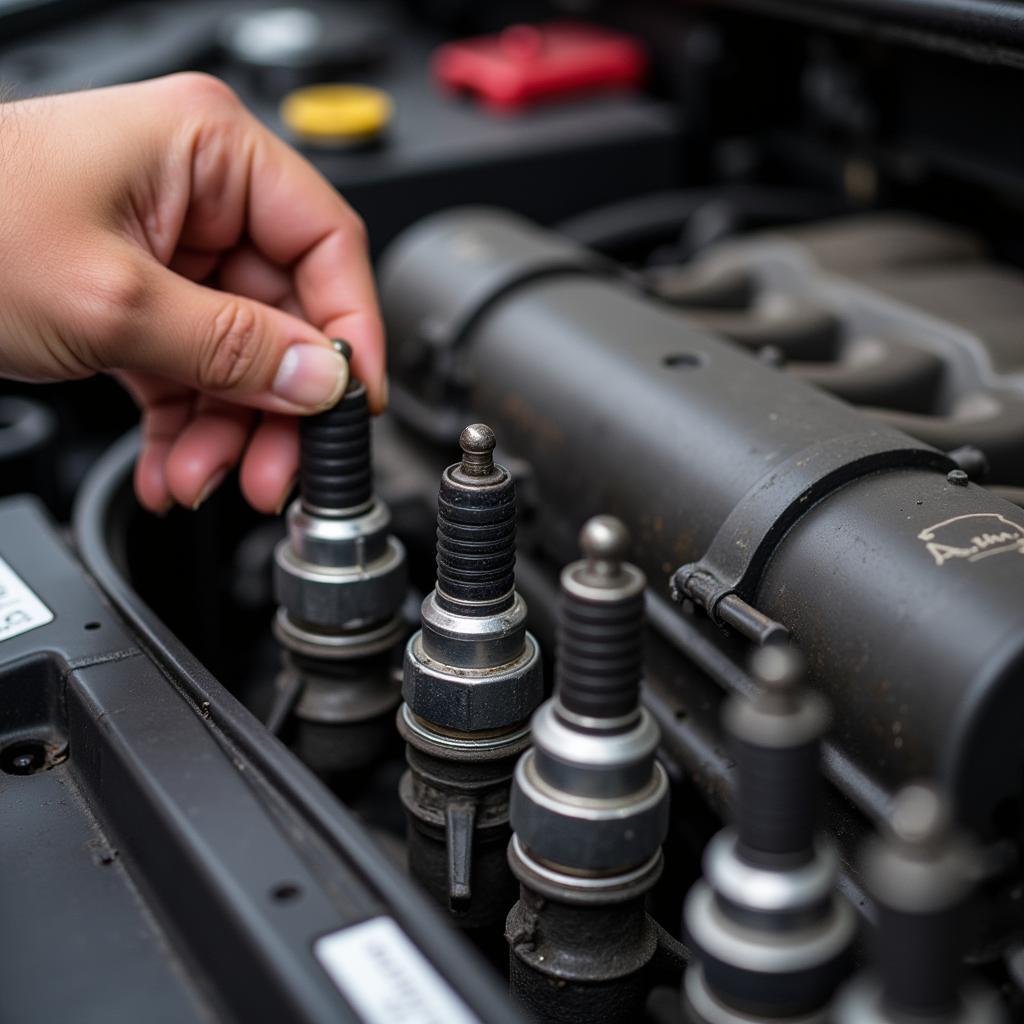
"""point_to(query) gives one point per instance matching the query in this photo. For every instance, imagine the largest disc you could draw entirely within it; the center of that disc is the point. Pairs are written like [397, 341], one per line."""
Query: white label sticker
[20, 609]
[386, 978]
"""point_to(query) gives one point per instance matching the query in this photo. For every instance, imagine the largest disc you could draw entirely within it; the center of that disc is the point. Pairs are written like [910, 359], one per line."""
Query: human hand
[117, 203]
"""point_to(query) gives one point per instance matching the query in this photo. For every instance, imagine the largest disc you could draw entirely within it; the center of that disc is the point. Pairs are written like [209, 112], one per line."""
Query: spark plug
[340, 580]
[472, 678]
[769, 933]
[919, 877]
[589, 804]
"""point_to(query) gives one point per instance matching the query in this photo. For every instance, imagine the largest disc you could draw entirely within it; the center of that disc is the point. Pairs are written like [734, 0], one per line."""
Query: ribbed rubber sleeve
[600, 655]
[777, 800]
[334, 454]
[476, 546]
[920, 961]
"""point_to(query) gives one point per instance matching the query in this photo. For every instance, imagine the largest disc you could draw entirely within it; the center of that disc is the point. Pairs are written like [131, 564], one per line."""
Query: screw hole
[683, 361]
[92, 625]
[681, 713]
[24, 758]
[286, 892]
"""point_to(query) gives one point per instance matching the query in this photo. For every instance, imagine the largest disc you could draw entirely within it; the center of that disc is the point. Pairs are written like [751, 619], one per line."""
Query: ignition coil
[919, 877]
[589, 804]
[769, 933]
[472, 678]
[340, 580]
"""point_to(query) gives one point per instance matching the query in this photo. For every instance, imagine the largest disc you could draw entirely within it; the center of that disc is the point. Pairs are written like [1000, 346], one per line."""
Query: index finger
[296, 218]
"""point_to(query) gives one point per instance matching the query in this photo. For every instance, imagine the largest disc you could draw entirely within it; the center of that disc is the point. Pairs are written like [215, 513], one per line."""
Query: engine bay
[656, 655]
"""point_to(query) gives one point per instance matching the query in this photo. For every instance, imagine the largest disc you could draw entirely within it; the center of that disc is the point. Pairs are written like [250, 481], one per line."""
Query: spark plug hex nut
[475, 700]
[332, 597]
[592, 834]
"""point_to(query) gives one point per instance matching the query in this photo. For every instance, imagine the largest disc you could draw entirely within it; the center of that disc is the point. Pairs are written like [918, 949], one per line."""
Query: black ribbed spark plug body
[769, 933]
[775, 741]
[601, 627]
[919, 874]
[918, 944]
[777, 803]
[476, 530]
[335, 474]
[334, 455]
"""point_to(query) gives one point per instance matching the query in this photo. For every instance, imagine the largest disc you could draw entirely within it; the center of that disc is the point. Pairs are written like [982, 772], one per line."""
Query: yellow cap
[343, 112]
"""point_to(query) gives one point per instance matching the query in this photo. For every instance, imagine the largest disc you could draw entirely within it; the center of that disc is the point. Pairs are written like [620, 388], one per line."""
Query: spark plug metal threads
[919, 876]
[769, 933]
[340, 579]
[589, 804]
[472, 678]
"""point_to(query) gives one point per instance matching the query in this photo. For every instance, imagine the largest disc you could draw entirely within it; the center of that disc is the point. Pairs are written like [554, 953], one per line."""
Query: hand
[158, 232]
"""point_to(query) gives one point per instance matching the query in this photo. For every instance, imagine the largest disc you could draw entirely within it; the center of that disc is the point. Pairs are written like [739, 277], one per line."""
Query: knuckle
[231, 348]
[200, 89]
[358, 231]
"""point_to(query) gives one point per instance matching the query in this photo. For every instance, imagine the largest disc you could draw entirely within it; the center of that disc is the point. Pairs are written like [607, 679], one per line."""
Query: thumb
[225, 345]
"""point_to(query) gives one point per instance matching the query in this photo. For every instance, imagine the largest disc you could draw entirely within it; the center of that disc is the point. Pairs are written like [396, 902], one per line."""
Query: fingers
[190, 443]
[184, 460]
[152, 321]
[297, 219]
[271, 464]
[246, 181]
[247, 272]
[206, 450]
[166, 412]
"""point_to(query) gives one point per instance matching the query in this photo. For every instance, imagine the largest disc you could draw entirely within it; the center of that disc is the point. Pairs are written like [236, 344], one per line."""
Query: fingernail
[211, 485]
[287, 494]
[311, 376]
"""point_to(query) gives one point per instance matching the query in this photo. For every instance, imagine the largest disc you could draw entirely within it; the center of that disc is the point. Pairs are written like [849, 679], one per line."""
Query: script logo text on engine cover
[972, 537]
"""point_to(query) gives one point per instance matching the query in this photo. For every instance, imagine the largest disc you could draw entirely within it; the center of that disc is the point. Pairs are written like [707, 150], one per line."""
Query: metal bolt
[919, 818]
[604, 541]
[477, 442]
[779, 669]
[342, 347]
[958, 477]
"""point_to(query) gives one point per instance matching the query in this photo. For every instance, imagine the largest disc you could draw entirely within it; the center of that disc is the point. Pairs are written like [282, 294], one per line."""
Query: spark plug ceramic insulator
[340, 579]
[919, 878]
[769, 933]
[472, 678]
[589, 804]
